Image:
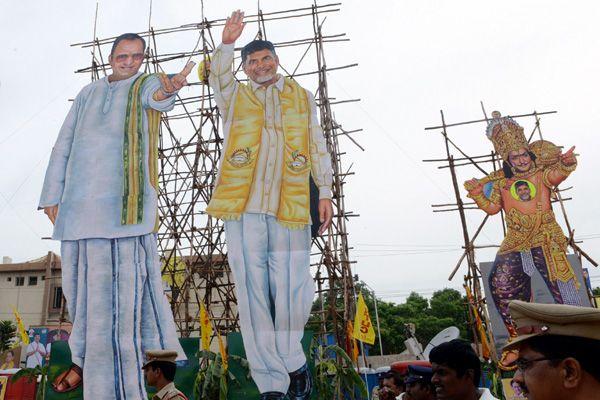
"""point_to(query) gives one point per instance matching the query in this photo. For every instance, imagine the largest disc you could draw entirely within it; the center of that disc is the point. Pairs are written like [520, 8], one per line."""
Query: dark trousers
[508, 281]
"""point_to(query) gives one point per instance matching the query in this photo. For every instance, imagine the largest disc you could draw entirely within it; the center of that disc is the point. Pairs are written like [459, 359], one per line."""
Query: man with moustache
[392, 387]
[523, 191]
[273, 143]
[100, 192]
[457, 372]
[558, 349]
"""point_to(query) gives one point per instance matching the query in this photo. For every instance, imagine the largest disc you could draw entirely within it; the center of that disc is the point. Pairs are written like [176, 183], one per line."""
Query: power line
[23, 182]
[405, 253]
[35, 114]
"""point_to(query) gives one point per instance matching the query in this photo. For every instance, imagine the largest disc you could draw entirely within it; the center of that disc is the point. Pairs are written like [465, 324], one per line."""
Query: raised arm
[221, 78]
[561, 170]
[475, 189]
[168, 87]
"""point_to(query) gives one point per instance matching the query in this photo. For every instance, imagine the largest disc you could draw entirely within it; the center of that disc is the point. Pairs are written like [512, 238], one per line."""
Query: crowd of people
[558, 347]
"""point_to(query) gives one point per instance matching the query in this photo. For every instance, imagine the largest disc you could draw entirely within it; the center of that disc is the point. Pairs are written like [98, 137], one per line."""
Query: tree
[7, 334]
[447, 307]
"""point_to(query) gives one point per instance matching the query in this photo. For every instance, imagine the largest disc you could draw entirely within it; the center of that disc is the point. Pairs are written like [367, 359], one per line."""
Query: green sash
[133, 154]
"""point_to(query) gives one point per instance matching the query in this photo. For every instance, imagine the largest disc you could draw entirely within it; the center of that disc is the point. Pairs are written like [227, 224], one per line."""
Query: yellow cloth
[485, 345]
[353, 346]
[238, 167]
[21, 327]
[205, 328]
[223, 352]
[8, 365]
[363, 328]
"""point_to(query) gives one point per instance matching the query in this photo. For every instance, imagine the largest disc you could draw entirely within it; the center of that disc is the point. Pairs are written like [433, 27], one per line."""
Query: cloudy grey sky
[416, 57]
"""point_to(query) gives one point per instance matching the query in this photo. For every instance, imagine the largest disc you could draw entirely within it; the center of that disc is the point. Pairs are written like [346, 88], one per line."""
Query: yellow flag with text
[363, 328]
[21, 327]
[205, 328]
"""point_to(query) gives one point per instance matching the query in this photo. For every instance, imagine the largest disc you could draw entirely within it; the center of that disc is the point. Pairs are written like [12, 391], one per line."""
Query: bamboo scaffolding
[191, 243]
[472, 276]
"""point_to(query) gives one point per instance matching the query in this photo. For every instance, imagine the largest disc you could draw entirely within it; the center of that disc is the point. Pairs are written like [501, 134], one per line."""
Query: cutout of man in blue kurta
[110, 267]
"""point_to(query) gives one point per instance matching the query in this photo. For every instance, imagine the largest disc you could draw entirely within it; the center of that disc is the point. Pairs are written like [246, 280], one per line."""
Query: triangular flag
[21, 327]
[363, 328]
[206, 330]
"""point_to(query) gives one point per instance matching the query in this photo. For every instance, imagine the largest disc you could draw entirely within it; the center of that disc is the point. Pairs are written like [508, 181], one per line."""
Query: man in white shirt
[35, 352]
[273, 143]
[457, 372]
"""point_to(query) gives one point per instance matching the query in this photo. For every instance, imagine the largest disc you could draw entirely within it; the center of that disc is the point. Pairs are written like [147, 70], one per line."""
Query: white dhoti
[275, 291]
[118, 308]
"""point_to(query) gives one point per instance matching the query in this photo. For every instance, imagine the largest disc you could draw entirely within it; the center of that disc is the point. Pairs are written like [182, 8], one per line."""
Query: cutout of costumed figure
[534, 240]
[100, 192]
[272, 143]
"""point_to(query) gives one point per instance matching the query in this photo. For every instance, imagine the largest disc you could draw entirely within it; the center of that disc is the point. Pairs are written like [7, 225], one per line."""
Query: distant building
[34, 288]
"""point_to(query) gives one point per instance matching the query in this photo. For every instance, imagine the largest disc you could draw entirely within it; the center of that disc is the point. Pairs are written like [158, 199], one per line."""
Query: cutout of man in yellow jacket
[273, 142]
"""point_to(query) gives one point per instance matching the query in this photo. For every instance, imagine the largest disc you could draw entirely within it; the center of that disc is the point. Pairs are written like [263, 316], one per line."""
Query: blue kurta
[111, 272]
[85, 173]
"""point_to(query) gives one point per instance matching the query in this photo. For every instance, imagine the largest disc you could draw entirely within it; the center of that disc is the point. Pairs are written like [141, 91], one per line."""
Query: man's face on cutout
[524, 192]
[127, 59]
[261, 66]
[520, 160]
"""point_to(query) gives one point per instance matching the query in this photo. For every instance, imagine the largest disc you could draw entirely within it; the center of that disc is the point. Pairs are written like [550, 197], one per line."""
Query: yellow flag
[223, 352]
[363, 328]
[174, 271]
[21, 327]
[205, 328]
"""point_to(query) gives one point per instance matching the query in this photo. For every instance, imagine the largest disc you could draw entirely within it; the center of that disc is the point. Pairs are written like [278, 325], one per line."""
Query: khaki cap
[160, 355]
[534, 319]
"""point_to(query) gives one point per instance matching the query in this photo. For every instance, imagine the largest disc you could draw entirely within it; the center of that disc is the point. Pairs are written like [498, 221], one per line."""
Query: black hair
[558, 347]
[425, 384]
[521, 183]
[168, 369]
[127, 36]
[256, 45]
[396, 377]
[508, 173]
[458, 355]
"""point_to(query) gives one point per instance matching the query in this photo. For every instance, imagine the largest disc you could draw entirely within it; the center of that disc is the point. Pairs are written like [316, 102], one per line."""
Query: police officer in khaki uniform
[559, 351]
[159, 371]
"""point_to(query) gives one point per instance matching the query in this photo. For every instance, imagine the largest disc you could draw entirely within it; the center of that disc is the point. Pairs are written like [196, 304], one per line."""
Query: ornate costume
[534, 240]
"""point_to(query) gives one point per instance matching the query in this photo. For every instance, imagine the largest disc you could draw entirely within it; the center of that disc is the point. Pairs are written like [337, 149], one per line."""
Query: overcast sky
[415, 58]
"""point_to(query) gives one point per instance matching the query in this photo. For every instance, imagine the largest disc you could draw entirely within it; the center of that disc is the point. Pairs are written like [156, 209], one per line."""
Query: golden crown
[506, 135]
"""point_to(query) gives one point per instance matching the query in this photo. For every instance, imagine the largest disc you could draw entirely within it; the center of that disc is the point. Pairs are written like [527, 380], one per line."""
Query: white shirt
[266, 185]
[36, 358]
[486, 394]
